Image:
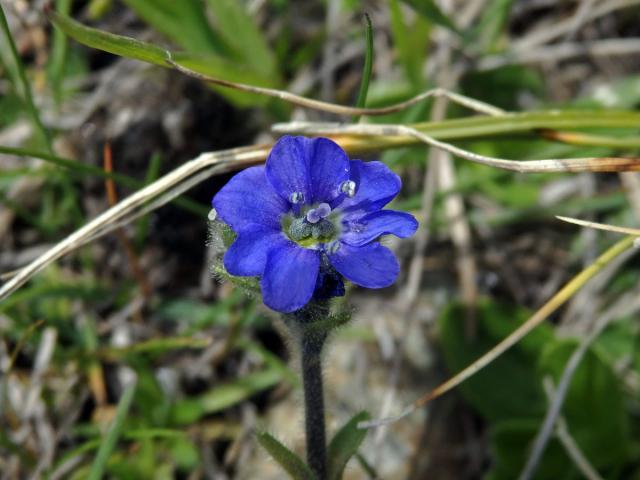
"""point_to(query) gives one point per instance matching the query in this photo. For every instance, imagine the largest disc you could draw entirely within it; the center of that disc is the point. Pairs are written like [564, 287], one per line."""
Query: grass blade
[241, 32]
[368, 64]
[76, 168]
[206, 64]
[429, 10]
[225, 395]
[184, 22]
[109, 42]
[58, 53]
[24, 81]
[111, 438]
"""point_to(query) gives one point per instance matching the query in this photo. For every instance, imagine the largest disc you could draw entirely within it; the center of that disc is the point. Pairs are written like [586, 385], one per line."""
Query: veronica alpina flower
[308, 216]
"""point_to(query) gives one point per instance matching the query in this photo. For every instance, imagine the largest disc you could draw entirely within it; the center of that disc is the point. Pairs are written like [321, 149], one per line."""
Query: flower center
[314, 226]
[319, 213]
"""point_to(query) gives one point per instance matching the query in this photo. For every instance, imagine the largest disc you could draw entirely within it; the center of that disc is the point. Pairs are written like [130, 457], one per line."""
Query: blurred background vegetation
[209, 365]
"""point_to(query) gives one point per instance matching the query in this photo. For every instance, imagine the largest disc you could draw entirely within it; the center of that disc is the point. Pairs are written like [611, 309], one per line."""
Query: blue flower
[308, 217]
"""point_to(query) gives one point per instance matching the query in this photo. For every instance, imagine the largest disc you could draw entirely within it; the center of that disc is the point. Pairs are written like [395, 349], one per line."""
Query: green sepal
[329, 323]
[345, 444]
[289, 461]
[250, 285]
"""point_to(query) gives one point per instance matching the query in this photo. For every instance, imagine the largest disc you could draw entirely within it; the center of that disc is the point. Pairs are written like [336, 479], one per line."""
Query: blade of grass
[368, 65]
[58, 53]
[583, 164]
[111, 438]
[25, 86]
[559, 299]
[73, 165]
[143, 225]
[239, 30]
[76, 167]
[206, 63]
[209, 163]
[600, 226]
[225, 395]
[153, 346]
[411, 58]
[184, 22]
[492, 23]
[577, 138]
[430, 10]
[108, 42]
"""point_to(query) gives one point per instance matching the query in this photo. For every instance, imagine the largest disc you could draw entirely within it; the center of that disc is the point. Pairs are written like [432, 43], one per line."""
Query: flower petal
[376, 185]
[329, 169]
[287, 167]
[289, 277]
[249, 198]
[366, 229]
[247, 256]
[315, 167]
[370, 266]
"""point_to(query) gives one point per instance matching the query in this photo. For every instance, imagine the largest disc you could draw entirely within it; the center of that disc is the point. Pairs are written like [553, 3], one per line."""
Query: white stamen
[296, 197]
[333, 248]
[212, 215]
[348, 187]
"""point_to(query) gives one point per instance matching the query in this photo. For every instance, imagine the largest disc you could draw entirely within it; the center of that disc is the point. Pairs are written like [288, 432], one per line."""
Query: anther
[296, 197]
[316, 214]
[348, 187]
[212, 215]
[333, 248]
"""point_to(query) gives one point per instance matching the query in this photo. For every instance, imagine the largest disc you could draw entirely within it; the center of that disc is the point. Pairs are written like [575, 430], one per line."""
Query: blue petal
[247, 256]
[289, 277]
[330, 167]
[376, 185]
[315, 167]
[370, 266]
[249, 198]
[366, 229]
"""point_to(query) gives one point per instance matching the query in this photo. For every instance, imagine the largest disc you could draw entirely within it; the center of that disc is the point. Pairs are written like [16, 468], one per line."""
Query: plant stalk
[310, 352]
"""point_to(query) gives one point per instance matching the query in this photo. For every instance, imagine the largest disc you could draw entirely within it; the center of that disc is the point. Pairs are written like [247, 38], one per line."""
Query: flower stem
[310, 351]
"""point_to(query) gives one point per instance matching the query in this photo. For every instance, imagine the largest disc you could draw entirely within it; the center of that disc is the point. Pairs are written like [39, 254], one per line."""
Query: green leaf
[207, 64]
[155, 346]
[492, 24]
[225, 395]
[109, 42]
[504, 86]
[510, 447]
[240, 31]
[594, 407]
[111, 438]
[509, 387]
[368, 64]
[345, 444]
[20, 80]
[289, 461]
[57, 61]
[81, 169]
[185, 22]
[595, 413]
[409, 41]
[429, 10]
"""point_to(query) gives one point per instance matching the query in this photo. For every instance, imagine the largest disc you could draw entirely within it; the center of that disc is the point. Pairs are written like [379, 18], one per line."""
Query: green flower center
[315, 225]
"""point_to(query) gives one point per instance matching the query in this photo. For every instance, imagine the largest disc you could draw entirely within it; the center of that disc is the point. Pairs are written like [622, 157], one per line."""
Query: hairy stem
[310, 353]
[307, 326]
